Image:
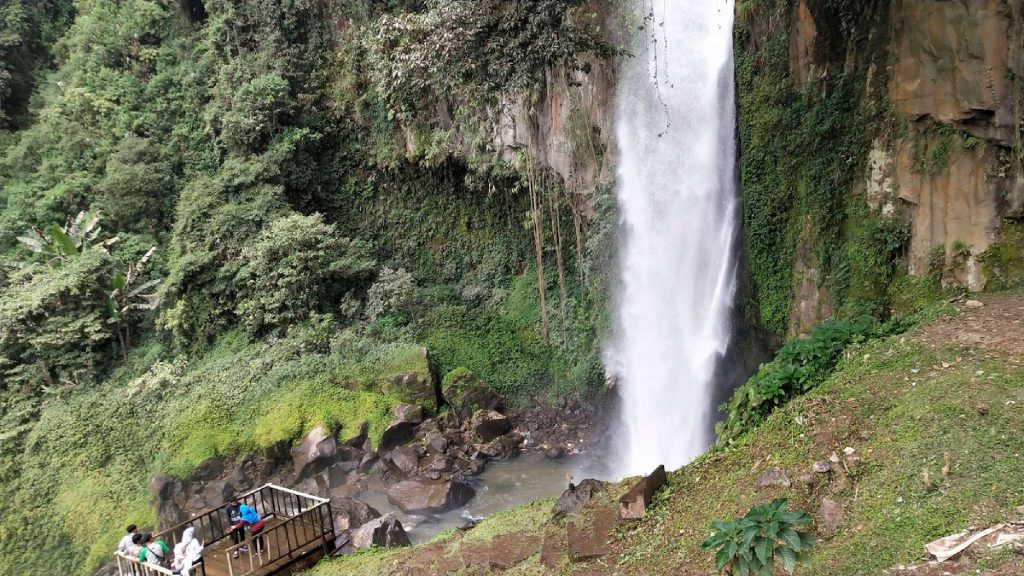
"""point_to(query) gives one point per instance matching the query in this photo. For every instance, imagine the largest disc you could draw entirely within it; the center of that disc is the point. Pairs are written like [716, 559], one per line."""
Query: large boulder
[412, 413]
[209, 469]
[405, 459]
[437, 443]
[576, 496]
[488, 425]
[350, 513]
[503, 447]
[466, 394]
[429, 496]
[384, 532]
[315, 453]
[416, 385]
[396, 434]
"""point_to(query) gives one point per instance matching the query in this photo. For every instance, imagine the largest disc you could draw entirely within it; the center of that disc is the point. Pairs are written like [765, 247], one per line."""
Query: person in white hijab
[188, 552]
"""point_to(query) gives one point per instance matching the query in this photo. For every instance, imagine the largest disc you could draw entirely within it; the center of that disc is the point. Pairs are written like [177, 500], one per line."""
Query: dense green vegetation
[802, 149]
[799, 365]
[224, 222]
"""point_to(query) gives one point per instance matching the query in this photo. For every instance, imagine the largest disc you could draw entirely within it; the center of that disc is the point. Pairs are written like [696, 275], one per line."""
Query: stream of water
[676, 193]
[501, 486]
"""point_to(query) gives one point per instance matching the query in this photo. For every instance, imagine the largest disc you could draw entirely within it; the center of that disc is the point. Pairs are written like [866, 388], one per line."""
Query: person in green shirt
[154, 551]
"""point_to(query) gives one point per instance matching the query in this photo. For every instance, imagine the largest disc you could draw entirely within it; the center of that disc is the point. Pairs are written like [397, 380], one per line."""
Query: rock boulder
[315, 453]
[466, 394]
[429, 496]
[396, 434]
[411, 413]
[488, 425]
[350, 513]
[384, 532]
[576, 496]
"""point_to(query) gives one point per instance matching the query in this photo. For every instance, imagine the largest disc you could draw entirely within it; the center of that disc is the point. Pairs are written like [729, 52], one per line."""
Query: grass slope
[901, 402]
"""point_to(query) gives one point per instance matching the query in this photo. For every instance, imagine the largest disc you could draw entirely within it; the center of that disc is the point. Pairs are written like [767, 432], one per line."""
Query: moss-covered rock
[466, 394]
[1003, 262]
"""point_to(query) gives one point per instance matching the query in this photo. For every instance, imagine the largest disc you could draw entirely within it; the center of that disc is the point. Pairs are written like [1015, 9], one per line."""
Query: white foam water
[676, 191]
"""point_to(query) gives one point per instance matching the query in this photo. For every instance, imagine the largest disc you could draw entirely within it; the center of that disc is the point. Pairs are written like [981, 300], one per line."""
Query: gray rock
[438, 463]
[209, 469]
[350, 454]
[488, 425]
[974, 304]
[405, 459]
[821, 467]
[831, 516]
[774, 477]
[576, 496]
[396, 434]
[430, 496]
[503, 447]
[315, 453]
[367, 463]
[412, 413]
[437, 443]
[217, 493]
[350, 513]
[163, 485]
[383, 532]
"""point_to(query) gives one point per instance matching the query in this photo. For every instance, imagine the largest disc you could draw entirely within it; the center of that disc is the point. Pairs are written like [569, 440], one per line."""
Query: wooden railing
[129, 566]
[306, 520]
[289, 540]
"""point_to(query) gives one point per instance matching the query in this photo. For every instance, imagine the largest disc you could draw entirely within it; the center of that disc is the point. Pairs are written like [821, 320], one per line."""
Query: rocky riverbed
[429, 471]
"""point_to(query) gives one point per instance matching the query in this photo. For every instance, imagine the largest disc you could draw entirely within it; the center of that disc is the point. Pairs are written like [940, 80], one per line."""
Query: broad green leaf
[763, 549]
[791, 539]
[62, 240]
[788, 558]
[721, 559]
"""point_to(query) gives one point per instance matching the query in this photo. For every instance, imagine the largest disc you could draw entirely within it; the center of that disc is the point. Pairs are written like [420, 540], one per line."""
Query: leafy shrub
[799, 366]
[394, 291]
[296, 262]
[752, 544]
[255, 114]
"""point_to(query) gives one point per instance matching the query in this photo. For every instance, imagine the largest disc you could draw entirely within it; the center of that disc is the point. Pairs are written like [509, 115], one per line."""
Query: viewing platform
[299, 531]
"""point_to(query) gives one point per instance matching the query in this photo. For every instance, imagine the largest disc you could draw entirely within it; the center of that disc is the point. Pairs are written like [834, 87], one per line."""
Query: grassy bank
[901, 402]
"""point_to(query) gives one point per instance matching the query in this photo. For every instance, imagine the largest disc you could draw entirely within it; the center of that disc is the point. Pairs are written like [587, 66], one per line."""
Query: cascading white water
[677, 199]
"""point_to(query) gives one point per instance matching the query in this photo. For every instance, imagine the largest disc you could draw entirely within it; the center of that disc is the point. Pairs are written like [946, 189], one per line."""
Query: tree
[298, 266]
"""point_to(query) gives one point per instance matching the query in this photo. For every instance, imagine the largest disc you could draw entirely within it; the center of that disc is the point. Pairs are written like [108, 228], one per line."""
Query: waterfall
[677, 202]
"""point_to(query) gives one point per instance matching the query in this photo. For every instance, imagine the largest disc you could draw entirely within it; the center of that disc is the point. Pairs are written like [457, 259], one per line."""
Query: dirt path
[997, 326]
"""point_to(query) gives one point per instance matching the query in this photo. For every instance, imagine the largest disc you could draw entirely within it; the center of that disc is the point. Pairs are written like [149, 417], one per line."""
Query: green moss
[1003, 261]
[800, 153]
[910, 294]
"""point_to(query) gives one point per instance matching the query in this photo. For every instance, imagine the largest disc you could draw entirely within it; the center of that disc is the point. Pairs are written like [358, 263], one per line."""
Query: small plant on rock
[750, 545]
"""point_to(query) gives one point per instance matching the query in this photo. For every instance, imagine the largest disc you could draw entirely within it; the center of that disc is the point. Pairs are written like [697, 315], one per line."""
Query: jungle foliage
[266, 188]
[802, 149]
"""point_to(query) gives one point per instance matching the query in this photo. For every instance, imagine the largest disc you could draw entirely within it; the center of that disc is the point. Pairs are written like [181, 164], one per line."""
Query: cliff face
[956, 64]
[935, 103]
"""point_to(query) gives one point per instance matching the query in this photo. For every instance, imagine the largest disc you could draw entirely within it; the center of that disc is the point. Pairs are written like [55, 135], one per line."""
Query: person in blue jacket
[254, 523]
